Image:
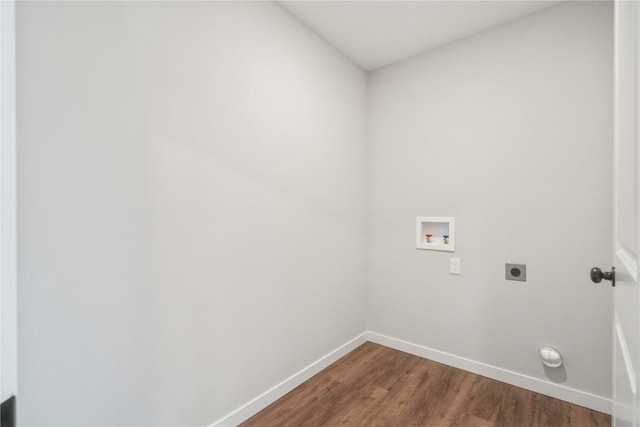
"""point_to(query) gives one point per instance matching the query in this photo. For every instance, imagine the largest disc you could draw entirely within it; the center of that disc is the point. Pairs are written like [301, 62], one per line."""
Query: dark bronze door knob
[597, 275]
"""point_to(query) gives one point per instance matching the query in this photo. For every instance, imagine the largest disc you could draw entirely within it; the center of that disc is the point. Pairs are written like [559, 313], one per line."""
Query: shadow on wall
[557, 375]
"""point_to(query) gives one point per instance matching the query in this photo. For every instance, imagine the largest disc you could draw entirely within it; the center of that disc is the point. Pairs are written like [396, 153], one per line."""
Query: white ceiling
[377, 33]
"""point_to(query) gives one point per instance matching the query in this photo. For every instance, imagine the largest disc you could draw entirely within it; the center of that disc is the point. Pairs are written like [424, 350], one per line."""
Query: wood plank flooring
[378, 386]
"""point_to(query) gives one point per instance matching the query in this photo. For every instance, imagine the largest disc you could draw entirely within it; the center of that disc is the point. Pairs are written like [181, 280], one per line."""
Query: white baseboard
[251, 408]
[548, 388]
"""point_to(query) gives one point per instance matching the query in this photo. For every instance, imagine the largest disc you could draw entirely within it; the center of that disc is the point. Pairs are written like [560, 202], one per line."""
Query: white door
[8, 301]
[8, 295]
[626, 229]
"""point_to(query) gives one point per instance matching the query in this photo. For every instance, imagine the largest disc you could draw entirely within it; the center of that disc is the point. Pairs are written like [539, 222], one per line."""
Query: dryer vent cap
[550, 357]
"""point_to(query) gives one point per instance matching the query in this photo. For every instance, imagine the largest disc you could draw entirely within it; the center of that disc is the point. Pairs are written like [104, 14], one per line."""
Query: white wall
[8, 273]
[191, 196]
[510, 131]
[191, 204]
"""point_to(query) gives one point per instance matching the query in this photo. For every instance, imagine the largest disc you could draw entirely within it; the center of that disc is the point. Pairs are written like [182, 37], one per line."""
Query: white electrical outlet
[454, 265]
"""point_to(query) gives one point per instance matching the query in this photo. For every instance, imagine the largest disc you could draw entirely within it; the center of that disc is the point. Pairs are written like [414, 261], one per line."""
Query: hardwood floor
[378, 386]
